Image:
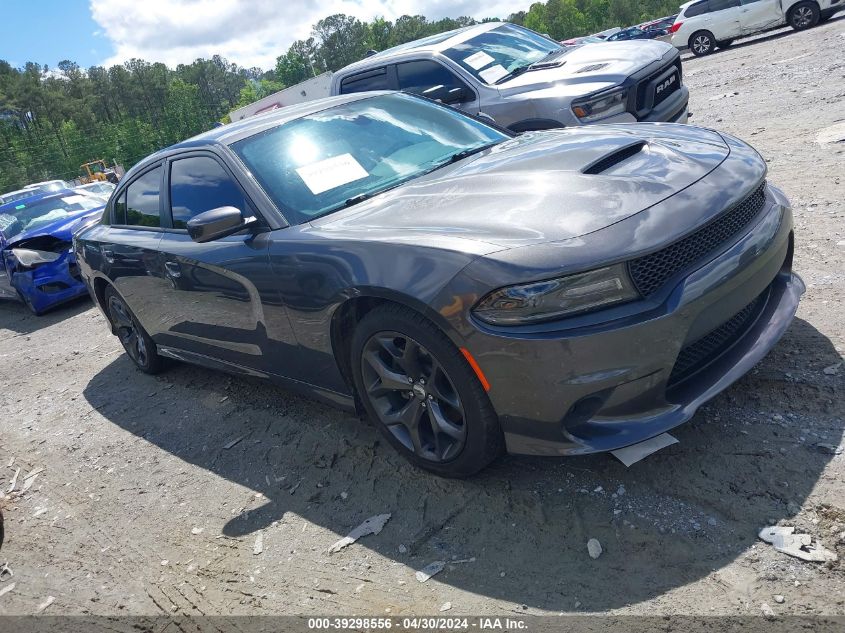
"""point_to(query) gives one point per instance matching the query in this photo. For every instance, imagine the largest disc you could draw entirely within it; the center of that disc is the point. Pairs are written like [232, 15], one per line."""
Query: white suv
[703, 25]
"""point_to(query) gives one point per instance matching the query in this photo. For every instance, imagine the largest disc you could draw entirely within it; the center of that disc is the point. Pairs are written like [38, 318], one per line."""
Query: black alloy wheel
[422, 394]
[132, 336]
[414, 396]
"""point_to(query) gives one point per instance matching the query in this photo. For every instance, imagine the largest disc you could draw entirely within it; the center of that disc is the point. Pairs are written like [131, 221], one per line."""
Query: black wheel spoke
[386, 378]
[413, 396]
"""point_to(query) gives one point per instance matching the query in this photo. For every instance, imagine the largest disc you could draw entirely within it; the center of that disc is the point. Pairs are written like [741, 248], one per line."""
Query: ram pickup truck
[525, 81]
[705, 25]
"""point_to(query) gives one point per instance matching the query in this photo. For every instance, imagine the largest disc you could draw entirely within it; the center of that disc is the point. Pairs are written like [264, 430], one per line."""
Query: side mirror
[217, 223]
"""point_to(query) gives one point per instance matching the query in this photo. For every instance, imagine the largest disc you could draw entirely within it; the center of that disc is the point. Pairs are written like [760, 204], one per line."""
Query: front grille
[650, 272]
[697, 355]
[643, 85]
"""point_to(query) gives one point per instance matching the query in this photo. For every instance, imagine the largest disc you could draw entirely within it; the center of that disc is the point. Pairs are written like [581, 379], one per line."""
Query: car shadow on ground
[16, 317]
[769, 36]
[523, 523]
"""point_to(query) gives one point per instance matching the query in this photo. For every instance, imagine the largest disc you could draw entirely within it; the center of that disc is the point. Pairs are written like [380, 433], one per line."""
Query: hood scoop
[591, 68]
[614, 158]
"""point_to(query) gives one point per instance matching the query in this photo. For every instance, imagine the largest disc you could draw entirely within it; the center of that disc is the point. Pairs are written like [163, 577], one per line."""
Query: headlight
[545, 300]
[28, 257]
[601, 106]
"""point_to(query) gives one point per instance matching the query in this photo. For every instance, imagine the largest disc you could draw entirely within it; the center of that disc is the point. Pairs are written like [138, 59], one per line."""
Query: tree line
[54, 120]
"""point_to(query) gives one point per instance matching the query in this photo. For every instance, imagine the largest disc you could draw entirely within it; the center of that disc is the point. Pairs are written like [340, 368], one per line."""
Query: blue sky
[246, 32]
[48, 31]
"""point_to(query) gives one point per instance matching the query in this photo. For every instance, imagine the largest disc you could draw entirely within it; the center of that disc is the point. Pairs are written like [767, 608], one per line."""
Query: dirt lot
[141, 508]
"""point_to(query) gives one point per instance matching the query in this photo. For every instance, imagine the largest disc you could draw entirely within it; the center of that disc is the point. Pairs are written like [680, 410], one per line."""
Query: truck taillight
[675, 27]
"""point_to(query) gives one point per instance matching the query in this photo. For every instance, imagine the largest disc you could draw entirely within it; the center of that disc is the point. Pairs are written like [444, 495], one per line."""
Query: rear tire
[804, 15]
[138, 345]
[702, 43]
[421, 393]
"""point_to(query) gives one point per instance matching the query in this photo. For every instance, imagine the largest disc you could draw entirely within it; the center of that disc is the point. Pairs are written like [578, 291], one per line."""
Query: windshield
[324, 161]
[493, 55]
[24, 216]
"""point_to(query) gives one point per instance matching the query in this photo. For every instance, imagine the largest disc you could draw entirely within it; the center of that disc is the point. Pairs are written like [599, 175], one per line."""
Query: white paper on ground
[478, 60]
[493, 74]
[332, 172]
[634, 453]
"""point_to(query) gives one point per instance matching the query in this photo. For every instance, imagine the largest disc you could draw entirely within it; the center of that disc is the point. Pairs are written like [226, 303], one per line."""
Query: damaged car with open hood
[38, 266]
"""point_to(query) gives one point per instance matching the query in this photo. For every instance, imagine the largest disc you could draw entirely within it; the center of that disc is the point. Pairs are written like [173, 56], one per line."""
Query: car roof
[432, 43]
[225, 135]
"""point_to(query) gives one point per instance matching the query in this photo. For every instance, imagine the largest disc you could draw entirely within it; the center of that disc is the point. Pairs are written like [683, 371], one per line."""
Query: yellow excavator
[96, 171]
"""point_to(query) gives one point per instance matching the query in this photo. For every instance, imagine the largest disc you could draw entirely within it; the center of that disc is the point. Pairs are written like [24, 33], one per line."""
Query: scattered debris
[594, 548]
[344, 495]
[402, 549]
[620, 491]
[14, 480]
[233, 442]
[445, 606]
[47, 602]
[784, 539]
[373, 525]
[432, 569]
[197, 530]
[38, 513]
[632, 454]
[5, 572]
[7, 588]
[164, 563]
[832, 370]
[767, 611]
[258, 547]
[779, 598]
[295, 486]
[33, 474]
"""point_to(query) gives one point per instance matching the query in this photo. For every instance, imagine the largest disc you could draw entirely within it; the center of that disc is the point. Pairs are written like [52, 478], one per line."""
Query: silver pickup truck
[525, 81]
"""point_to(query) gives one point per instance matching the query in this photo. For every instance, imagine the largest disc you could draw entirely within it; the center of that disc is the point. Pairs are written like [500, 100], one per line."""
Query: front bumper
[48, 285]
[609, 385]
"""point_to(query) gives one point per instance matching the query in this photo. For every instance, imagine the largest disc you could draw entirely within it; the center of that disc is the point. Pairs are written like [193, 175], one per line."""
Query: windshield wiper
[356, 199]
[454, 158]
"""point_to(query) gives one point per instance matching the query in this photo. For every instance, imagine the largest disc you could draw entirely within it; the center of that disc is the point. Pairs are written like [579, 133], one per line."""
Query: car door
[723, 19]
[127, 244]
[220, 303]
[757, 15]
[430, 78]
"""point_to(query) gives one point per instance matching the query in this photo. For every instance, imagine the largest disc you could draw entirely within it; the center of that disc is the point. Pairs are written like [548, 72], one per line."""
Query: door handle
[173, 269]
[108, 256]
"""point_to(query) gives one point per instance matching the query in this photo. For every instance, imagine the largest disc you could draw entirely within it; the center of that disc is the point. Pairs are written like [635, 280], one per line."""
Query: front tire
[702, 43]
[804, 15]
[138, 345]
[422, 394]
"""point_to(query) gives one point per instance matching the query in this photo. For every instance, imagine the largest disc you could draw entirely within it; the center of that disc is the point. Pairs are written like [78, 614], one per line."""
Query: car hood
[62, 229]
[541, 186]
[608, 63]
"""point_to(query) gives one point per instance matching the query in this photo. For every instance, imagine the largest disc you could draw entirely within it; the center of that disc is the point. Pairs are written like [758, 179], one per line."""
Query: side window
[370, 80]
[699, 8]
[199, 184]
[721, 5]
[424, 76]
[142, 200]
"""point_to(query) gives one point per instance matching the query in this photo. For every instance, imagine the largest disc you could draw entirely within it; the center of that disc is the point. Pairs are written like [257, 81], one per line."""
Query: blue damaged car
[38, 265]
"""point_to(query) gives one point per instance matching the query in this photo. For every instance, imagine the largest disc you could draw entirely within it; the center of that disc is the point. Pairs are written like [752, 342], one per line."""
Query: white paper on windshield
[493, 74]
[332, 172]
[478, 60]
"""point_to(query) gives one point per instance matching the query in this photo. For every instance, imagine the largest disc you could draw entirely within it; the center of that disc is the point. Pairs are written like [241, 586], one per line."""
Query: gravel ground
[155, 490]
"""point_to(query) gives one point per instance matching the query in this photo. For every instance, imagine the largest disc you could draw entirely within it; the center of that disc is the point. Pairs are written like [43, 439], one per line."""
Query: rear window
[699, 8]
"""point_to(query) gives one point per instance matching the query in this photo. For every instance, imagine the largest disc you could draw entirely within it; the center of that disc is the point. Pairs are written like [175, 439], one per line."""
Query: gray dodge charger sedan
[556, 293]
